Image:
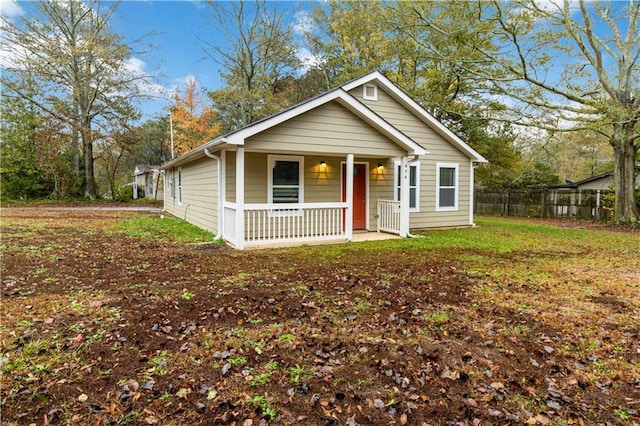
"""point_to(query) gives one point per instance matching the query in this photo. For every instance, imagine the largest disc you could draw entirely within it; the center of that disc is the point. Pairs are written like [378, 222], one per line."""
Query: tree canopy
[80, 67]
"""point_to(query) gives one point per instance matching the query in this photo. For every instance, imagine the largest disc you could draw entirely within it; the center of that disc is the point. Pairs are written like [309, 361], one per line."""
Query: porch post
[404, 197]
[240, 198]
[222, 191]
[349, 188]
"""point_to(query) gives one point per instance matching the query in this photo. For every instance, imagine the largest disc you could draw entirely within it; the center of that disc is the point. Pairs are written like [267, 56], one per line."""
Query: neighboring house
[147, 183]
[361, 157]
[570, 197]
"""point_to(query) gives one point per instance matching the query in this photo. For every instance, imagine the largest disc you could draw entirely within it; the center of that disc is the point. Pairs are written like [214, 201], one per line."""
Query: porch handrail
[294, 222]
[389, 216]
[294, 206]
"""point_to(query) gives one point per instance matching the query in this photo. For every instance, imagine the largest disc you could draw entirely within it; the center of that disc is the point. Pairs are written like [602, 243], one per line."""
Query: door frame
[343, 164]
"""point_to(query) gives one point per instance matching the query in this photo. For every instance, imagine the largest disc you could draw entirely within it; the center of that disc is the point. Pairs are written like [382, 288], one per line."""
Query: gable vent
[370, 92]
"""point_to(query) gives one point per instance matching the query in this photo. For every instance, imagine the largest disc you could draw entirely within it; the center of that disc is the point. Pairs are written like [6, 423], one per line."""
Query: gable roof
[406, 101]
[341, 96]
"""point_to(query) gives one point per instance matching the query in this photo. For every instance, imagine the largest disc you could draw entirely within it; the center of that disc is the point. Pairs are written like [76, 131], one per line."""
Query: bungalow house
[147, 183]
[361, 157]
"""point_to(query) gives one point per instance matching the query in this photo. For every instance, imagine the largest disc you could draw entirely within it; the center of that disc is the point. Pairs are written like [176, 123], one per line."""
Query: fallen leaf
[212, 394]
[183, 392]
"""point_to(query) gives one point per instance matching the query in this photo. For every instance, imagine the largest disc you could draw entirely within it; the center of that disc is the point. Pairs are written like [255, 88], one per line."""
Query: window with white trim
[370, 92]
[414, 185]
[286, 183]
[180, 186]
[446, 186]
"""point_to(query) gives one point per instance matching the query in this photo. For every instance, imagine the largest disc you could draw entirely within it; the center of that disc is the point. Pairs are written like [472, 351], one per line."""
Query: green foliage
[264, 404]
[164, 228]
[73, 72]
[21, 177]
[258, 64]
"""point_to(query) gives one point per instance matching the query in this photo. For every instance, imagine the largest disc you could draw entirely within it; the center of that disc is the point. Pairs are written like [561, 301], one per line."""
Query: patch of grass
[296, 373]
[186, 295]
[167, 228]
[438, 317]
[260, 379]
[264, 404]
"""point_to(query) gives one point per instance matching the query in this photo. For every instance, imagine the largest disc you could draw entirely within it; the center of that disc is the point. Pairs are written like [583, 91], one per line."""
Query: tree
[353, 38]
[577, 64]
[79, 66]
[193, 122]
[261, 57]
[20, 173]
[150, 143]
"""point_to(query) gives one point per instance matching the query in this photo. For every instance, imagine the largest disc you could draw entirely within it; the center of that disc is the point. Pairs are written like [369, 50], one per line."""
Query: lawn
[121, 317]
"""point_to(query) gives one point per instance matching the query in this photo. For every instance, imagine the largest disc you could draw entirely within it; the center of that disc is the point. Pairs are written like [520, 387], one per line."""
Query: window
[180, 187]
[447, 187]
[370, 92]
[414, 185]
[285, 179]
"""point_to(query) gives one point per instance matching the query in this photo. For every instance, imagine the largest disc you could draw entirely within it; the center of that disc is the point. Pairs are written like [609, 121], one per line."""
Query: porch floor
[358, 237]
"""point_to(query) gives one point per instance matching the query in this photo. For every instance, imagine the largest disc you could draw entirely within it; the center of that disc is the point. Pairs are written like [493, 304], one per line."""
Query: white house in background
[147, 183]
[361, 157]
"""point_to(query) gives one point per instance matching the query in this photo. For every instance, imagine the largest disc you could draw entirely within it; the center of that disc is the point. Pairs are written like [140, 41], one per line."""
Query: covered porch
[285, 199]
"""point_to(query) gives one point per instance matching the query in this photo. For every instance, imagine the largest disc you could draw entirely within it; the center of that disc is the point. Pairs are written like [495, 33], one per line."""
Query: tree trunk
[75, 159]
[626, 208]
[90, 183]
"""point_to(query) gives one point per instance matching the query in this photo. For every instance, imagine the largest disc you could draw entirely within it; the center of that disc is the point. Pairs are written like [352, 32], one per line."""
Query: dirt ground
[101, 328]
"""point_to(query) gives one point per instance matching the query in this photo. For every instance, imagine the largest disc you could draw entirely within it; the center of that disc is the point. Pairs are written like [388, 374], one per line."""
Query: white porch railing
[230, 222]
[389, 216]
[276, 223]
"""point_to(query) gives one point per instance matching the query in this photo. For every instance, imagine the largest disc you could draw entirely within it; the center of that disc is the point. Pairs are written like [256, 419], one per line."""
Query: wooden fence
[589, 204]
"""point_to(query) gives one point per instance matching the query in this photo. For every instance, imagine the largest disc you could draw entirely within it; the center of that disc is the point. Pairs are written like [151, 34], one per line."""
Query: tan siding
[329, 128]
[255, 177]
[440, 151]
[322, 186]
[199, 195]
[428, 216]
[230, 180]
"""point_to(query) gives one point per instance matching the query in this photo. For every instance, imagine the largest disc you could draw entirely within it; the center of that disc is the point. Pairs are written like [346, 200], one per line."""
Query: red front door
[359, 194]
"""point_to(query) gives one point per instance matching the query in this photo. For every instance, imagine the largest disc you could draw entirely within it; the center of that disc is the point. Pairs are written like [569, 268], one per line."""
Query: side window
[180, 186]
[414, 185]
[446, 187]
[172, 184]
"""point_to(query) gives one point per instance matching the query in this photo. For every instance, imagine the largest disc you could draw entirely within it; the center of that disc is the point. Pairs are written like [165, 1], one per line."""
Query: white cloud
[307, 58]
[303, 23]
[10, 9]
[136, 68]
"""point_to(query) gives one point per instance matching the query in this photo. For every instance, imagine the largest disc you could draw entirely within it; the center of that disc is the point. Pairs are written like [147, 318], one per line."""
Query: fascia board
[195, 153]
[414, 107]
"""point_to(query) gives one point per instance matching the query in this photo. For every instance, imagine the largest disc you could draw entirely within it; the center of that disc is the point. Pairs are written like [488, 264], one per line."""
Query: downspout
[409, 163]
[220, 207]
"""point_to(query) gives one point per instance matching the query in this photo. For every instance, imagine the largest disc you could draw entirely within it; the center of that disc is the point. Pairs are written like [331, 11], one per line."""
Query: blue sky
[169, 32]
